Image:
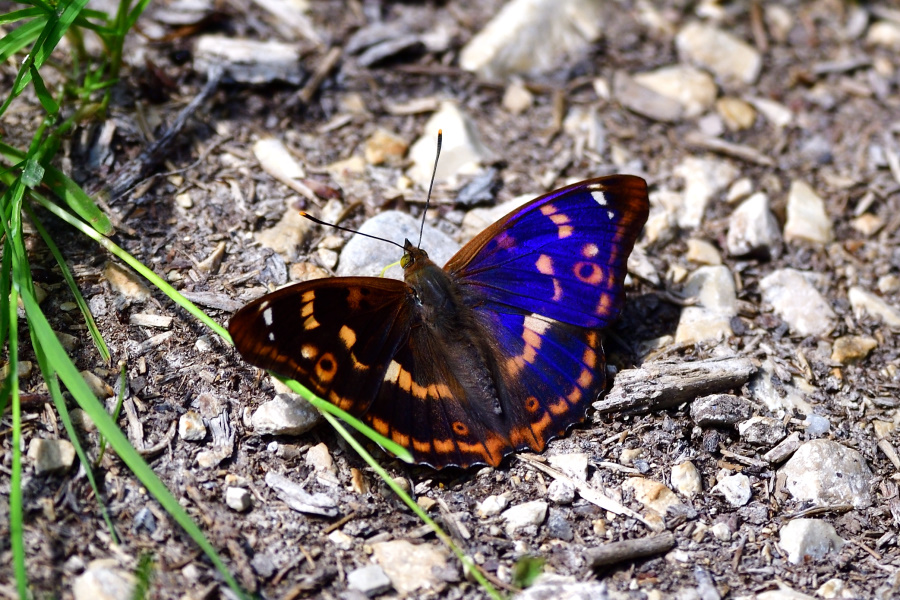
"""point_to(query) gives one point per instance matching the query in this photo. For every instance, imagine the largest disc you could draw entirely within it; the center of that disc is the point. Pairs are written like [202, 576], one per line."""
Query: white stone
[739, 190]
[735, 488]
[364, 256]
[721, 531]
[713, 288]
[809, 539]
[237, 498]
[286, 414]
[864, 302]
[524, 515]
[827, 473]
[50, 456]
[703, 178]
[775, 113]
[806, 217]
[492, 505]
[736, 114]
[574, 464]
[796, 301]
[884, 33]
[732, 60]
[125, 283]
[103, 581]
[561, 492]
[371, 580]
[694, 89]
[702, 252]
[782, 398]
[753, 229]
[341, 540]
[517, 99]
[762, 431]
[532, 36]
[462, 152]
[286, 236]
[191, 427]
[411, 567]
[836, 588]
[686, 479]
[319, 458]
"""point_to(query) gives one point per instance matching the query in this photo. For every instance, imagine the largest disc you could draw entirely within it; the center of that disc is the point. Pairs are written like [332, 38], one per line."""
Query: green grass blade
[44, 96]
[16, 519]
[79, 390]
[17, 39]
[5, 287]
[19, 15]
[99, 342]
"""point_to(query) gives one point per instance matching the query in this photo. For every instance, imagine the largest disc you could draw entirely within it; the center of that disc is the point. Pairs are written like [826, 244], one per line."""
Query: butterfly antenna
[430, 186]
[320, 222]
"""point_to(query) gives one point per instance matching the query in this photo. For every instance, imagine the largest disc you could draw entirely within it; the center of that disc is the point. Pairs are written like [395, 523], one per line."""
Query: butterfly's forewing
[562, 255]
[335, 336]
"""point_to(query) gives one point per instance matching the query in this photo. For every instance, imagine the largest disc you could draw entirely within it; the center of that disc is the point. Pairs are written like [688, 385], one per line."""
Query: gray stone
[735, 488]
[806, 216]
[103, 581]
[710, 319]
[732, 60]
[371, 580]
[50, 456]
[864, 302]
[561, 492]
[558, 527]
[809, 539]
[364, 256]
[411, 567]
[783, 450]
[826, 473]
[286, 236]
[533, 36]
[237, 498]
[524, 515]
[719, 410]
[249, 61]
[286, 414]
[550, 586]
[692, 88]
[816, 425]
[785, 396]
[762, 431]
[753, 230]
[797, 302]
[462, 152]
[191, 427]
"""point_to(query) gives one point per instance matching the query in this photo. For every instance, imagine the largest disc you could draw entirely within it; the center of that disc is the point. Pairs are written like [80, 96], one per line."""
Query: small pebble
[806, 216]
[191, 427]
[371, 580]
[762, 431]
[50, 456]
[826, 473]
[523, 515]
[237, 499]
[735, 488]
[719, 410]
[809, 540]
[492, 505]
[864, 302]
[561, 492]
[851, 349]
[686, 479]
[286, 414]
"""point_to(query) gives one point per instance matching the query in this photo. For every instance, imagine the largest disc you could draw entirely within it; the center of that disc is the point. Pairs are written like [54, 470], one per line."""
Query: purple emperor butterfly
[498, 351]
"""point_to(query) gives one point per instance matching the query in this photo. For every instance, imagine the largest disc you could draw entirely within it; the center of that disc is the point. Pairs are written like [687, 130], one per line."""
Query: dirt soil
[211, 190]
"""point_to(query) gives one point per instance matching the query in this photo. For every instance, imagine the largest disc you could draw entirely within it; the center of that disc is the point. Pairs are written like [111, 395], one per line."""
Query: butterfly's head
[412, 255]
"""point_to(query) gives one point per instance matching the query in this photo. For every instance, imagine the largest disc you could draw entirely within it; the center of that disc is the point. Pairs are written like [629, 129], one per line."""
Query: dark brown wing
[335, 336]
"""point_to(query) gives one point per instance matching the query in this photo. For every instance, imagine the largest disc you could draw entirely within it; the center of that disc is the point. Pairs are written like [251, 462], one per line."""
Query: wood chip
[616, 552]
[656, 386]
[148, 320]
[745, 153]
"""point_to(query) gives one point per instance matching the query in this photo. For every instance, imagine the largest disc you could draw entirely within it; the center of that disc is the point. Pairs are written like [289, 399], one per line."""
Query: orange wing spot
[523, 436]
[515, 365]
[560, 219]
[605, 304]
[531, 338]
[405, 380]
[357, 364]
[591, 338]
[544, 264]
[586, 378]
[557, 290]
[548, 209]
[310, 323]
[529, 354]
[588, 272]
[590, 250]
[440, 390]
[419, 391]
[400, 438]
[354, 297]
[306, 310]
[539, 430]
[444, 446]
[308, 351]
[532, 404]
[380, 425]
[575, 396]
[565, 231]
[326, 367]
[308, 297]
[559, 408]
[460, 428]
[340, 402]
[505, 241]
[421, 446]
[348, 336]
[589, 358]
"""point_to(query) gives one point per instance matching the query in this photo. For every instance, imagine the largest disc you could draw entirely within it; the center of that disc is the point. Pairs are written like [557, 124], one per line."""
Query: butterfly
[497, 352]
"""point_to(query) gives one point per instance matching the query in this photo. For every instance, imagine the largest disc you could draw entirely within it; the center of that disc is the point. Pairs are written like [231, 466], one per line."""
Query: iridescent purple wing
[562, 256]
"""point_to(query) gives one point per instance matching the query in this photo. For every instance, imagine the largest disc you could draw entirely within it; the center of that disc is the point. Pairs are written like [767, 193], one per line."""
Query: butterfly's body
[496, 352]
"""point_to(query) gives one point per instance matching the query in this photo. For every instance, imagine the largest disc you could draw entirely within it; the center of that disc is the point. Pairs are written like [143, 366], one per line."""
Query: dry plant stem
[616, 552]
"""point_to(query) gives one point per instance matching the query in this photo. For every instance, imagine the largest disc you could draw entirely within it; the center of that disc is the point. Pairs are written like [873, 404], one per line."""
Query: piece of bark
[616, 552]
[664, 385]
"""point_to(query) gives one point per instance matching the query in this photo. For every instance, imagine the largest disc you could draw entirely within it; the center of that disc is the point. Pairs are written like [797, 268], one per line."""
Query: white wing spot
[610, 214]
[599, 198]
[271, 337]
[267, 317]
[537, 323]
[393, 371]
